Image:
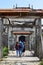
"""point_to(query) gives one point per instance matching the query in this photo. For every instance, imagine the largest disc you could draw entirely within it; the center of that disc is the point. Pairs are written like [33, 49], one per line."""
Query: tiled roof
[17, 11]
[21, 10]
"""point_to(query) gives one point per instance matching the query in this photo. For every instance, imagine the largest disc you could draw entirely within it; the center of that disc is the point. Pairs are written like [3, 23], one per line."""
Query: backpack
[21, 45]
[23, 49]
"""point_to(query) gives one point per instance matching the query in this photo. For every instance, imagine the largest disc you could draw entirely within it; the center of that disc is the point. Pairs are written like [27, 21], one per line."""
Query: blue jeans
[18, 52]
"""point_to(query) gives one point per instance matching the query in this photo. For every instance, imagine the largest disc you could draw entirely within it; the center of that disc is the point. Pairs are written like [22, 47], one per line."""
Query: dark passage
[22, 38]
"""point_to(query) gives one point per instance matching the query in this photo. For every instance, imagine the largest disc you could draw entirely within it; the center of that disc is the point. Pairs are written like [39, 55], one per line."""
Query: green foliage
[5, 51]
[41, 63]
[42, 34]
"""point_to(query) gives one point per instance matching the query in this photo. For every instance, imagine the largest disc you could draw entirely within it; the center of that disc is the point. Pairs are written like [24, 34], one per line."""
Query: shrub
[41, 63]
[5, 51]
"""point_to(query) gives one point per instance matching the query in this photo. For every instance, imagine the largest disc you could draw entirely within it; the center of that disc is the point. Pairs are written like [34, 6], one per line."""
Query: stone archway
[27, 14]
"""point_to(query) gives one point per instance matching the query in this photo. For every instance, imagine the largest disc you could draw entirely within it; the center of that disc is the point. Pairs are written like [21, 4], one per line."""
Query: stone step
[27, 53]
[35, 59]
[18, 63]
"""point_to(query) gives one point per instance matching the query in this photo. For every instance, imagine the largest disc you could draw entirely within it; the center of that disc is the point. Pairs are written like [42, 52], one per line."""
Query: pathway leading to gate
[27, 59]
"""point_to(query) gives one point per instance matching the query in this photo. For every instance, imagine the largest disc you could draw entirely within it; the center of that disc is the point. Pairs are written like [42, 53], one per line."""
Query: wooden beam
[24, 33]
[23, 26]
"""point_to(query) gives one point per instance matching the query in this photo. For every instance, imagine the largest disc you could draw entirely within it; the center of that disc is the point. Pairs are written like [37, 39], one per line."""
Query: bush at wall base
[41, 62]
[5, 51]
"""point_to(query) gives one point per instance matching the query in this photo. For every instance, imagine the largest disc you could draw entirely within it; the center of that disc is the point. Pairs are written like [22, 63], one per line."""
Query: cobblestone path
[28, 59]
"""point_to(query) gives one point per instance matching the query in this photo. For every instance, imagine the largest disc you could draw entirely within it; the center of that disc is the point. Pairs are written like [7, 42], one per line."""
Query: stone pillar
[1, 32]
[38, 49]
[15, 39]
[8, 37]
[29, 42]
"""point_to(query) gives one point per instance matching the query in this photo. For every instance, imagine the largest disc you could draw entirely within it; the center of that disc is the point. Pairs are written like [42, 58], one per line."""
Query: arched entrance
[25, 40]
[22, 38]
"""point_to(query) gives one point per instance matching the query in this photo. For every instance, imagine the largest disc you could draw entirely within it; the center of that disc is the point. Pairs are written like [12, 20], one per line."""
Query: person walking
[21, 47]
[17, 47]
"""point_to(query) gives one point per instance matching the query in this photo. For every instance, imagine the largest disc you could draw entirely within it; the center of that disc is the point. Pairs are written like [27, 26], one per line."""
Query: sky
[37, 4]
